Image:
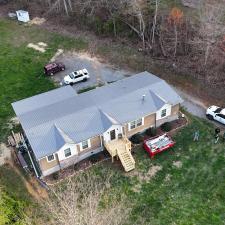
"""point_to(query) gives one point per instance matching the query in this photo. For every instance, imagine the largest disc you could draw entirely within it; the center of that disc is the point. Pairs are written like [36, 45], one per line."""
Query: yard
[181, 186]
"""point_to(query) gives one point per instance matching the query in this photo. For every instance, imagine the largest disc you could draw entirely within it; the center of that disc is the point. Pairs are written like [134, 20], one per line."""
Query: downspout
[101, 137]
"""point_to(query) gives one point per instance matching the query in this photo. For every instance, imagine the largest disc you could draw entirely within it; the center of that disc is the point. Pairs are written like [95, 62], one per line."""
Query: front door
[112, 135]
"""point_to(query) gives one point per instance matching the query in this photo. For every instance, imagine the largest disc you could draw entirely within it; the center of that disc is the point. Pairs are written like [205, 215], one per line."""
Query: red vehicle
[52, 68]
[158, 144]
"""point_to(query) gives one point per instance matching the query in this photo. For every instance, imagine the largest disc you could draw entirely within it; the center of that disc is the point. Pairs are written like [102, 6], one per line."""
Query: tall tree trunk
[175, 42]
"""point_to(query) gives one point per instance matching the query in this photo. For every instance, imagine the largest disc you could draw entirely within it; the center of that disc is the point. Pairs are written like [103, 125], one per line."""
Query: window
[136, 123]
[84, 144]
[78, 76]
[139, 122]
[71, 76]
[221, 116]
[163, 113]
[218, 110]
[50, 157]
[67, 152]
[132, 124]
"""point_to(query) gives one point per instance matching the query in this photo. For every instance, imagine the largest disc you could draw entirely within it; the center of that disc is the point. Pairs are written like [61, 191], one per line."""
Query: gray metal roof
[62, 113]
[39, 101]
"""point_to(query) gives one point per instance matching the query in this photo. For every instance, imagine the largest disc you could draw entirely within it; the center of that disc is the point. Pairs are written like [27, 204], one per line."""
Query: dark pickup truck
[52, 68]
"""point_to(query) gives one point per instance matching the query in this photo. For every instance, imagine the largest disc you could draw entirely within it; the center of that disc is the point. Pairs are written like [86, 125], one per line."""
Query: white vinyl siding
[136, 123]
[106, 134]
[164, 112]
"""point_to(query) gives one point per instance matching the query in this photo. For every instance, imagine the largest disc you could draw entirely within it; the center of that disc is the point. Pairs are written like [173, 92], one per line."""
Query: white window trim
[65, 154]
[52, 159]
[142, 123]
[130, 125]
[161, 113]
[89, 145]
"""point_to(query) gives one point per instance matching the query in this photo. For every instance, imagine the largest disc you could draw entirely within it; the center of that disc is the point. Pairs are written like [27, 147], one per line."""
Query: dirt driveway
[100, 73]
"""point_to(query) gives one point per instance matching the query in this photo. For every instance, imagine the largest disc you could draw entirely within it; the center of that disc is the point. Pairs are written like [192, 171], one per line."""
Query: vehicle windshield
[218, 110]
[71, 75]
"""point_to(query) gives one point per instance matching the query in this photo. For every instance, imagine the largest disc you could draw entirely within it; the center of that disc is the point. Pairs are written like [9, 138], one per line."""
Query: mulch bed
[80, 166]
[176, 125]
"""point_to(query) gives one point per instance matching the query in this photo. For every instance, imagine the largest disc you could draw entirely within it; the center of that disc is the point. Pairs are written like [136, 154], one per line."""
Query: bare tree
[211, 27]
[77, 202]
[135, 9]
[154, 22]
[59, 5]
[175, 18]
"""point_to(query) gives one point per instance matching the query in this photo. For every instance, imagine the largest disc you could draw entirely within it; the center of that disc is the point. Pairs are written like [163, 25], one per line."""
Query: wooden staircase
[126, 159]
[121, 148]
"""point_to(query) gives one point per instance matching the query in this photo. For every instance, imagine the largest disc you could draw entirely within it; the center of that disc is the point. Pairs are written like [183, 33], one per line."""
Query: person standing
[217, 131]
[196, 135]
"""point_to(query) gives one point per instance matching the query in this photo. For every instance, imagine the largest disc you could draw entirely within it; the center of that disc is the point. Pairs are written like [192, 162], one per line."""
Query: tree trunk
[175, 42]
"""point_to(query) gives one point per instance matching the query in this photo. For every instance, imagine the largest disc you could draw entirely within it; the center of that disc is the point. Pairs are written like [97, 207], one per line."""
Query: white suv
[216, 113]
[76, 76]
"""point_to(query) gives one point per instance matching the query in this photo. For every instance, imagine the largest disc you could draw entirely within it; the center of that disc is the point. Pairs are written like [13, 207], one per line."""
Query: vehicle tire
[210, 117]
[85, 79]
[71, 84]
[51, 74]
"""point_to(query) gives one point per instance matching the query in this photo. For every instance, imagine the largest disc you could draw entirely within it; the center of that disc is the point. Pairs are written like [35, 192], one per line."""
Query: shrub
[136, 138]
[85, 89]
[55, 176]
[151, 132]
[166, 126]
[94, 158]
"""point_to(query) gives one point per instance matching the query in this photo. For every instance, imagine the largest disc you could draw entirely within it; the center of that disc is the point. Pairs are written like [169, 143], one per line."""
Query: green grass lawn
[188, 188]
[14, 198]
[21, 70]
[21, 76]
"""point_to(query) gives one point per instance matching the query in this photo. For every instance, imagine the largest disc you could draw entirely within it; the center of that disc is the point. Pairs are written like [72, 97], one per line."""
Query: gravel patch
[100, 73]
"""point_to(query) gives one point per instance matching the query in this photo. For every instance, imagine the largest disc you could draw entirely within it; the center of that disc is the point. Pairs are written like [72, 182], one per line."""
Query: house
[64, 128]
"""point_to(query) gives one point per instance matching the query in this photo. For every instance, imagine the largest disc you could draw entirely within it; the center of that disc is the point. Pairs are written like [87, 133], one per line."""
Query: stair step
[126, 159]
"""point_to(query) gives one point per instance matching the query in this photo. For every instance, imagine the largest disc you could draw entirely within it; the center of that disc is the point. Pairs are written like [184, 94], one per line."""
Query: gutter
[35, 170]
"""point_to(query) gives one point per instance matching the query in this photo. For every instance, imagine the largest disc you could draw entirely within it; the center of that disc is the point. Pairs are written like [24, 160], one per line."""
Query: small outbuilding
[23, 16]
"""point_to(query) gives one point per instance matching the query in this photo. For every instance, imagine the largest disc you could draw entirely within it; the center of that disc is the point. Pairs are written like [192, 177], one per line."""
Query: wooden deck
[122, 149]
